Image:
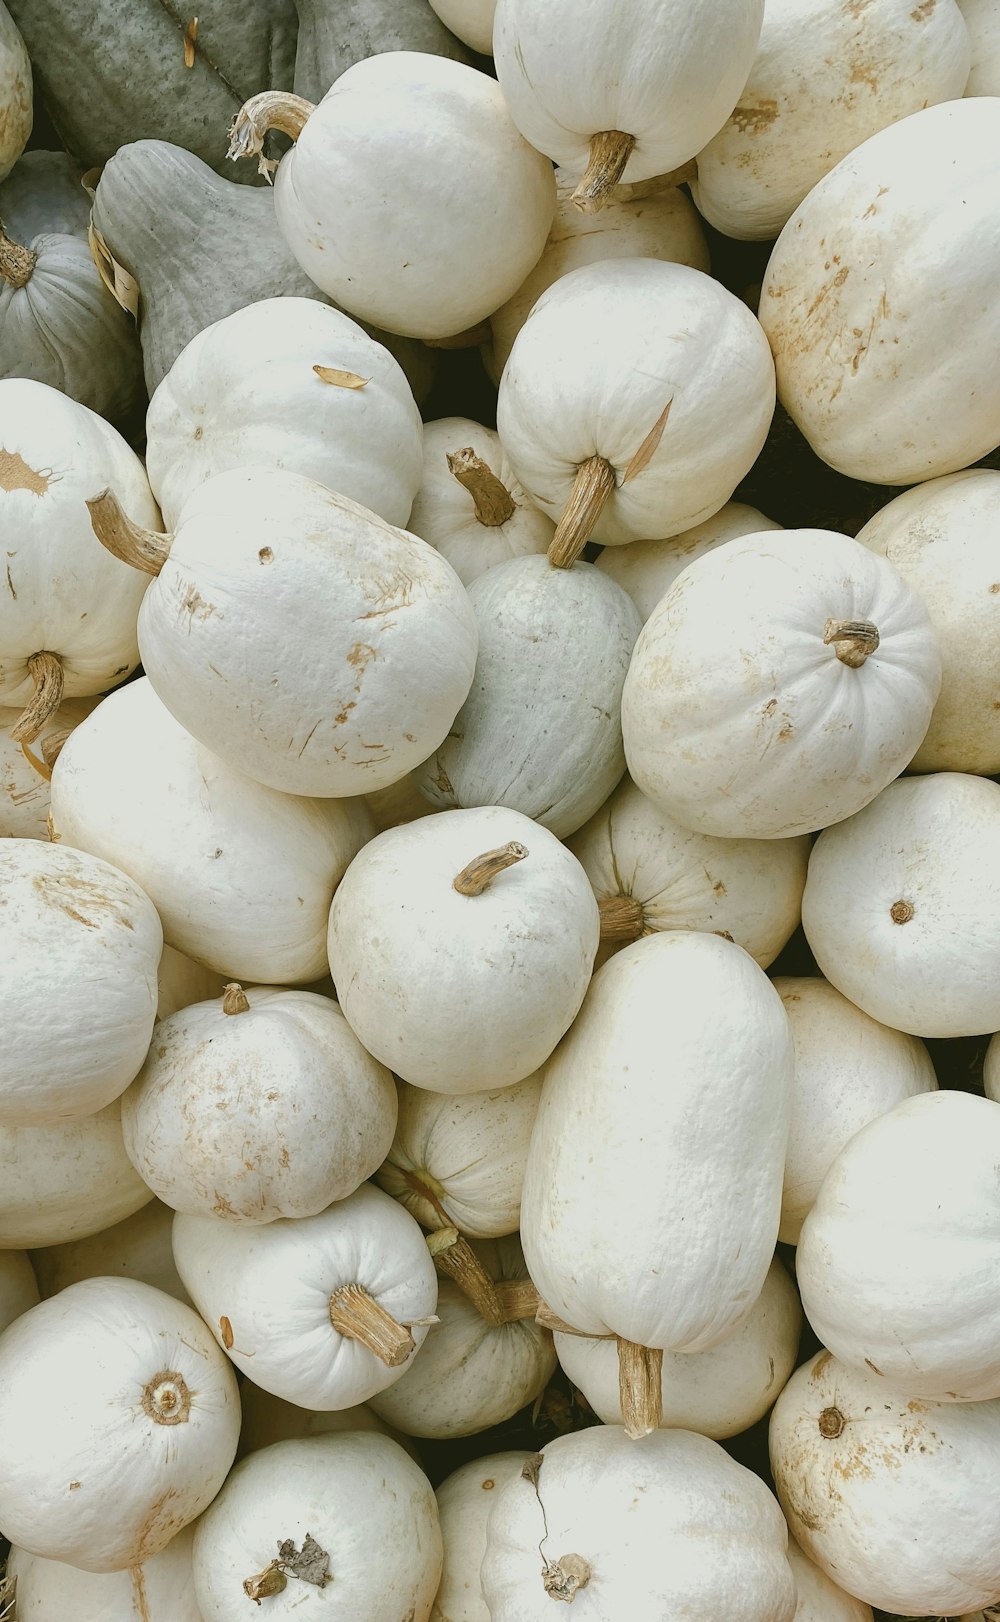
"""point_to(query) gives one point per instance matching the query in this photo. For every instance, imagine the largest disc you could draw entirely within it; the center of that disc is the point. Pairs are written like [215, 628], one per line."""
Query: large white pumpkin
[647, 568]
[161, 1589]
[65, 1181]
[465, 1499]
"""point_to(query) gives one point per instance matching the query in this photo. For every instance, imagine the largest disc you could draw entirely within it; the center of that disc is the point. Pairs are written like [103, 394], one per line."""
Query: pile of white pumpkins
[320, 1136]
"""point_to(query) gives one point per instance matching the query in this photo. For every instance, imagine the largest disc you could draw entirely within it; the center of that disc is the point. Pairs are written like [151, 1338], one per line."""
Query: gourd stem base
[455, 1258]
[270, 110]
[128, 542]
[853, 640]
[639, 1388]
[356, 1314]
[622, 918]
[235, 999]
[592, 487]
[493, 502]
[610, 151]
[16, 262]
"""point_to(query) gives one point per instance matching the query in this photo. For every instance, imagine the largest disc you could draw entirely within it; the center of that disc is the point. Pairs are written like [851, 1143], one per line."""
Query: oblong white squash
[461, 946]
[820, 1600]
[892, 1498]
[781, 682]
[645, 569]
[139, 1247]
[902, 905]
[161, 1589]
[465, 1499]
[18, 1286]
[24, 789]
[65, 1181]
[140, 1412]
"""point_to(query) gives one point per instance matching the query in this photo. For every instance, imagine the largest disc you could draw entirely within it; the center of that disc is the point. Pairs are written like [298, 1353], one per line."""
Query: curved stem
[639, 1387]
[356, 1314]
[16, 262]
[518, 1299]
[493, 502]
[46, 671]
[853, 640]
[52, 746]
[592, 487]
[622, 918]
[547, 1319]
[270, 110]
[479, 874]
[234, 999]
[455, 1258]
[610, 151]
[42, 767]
[130, 543]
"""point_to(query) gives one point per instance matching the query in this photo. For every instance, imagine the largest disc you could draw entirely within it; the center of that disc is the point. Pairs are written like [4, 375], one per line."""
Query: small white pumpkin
[645, 569]
[18, 1286]
[782, 681]
[461, 946]
[65, 1181]
[161, 1589]
[286, 383]
[140, 1413]
[268, 1419]
[894, 1499]
[465, 1499]
[24, 787]
[983, 23]
[79, 948]
[458, 1158]
[409, 197]
[139, 1247]
[820, 1600]
[323, 1311]
[470, 506]
[15, 94]
[902, 905]
[849, 1069]
[343, 1526]
[258, 1105]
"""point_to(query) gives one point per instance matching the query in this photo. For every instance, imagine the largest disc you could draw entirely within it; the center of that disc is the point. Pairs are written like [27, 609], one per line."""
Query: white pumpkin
[893, 1499]
[660, 1527]
[782, 681]
[241, 875]
[139, 1247]
[181, 981]
[402, 801]
[345, 1526]
[641, 390]
[849, 1070]
[140, 1413]
[470, 20]
[719, 1392]
[65, 1181]
[461, 946]
[297, 635]
[826, 76]
[257, 1105]
[622, 95]
[79, 948]
[645, 569]
[161, 1589]
[68, 613]
[458, 1158]
[983, 24]
[286, 383]
[18, 1286]
[820, 1600]
[634, 223]
[941, 536]
[885, 366]
[464, 1500]
[470, 506]
[268, 1419]
[15, 94]
[650, 873]
[902, 905]
[540, 733]
[409, 196]
[920, 1180]
[24, 788]
[323, 1311]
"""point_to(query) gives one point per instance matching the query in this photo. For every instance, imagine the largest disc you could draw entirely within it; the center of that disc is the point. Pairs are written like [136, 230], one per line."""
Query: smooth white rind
[159, 1590]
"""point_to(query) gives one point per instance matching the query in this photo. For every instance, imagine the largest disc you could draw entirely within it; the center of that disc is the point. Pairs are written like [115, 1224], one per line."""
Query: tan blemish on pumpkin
[753, 120]
[53, 888]
[194, 603]
[342, 715]
[994, 588]
[150, 1536]
[921, 13]
[222, 1206]
[821, 1363]
[15, 474]
[871, 1365]
[863, 72]
[719, 887]
[266, 555]
[139, 1593]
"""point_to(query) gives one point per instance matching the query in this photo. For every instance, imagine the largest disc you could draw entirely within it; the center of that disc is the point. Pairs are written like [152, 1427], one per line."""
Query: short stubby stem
[16, 262]
[640, 1390]
[610, 151]
[356, 1314]
[479, 874]
[622, 918]
[831, 1423]
[166, 1398]
[140, 548]
[592, 487]
[493, 502]
[852, 640]
[235, 999]
[46, 671]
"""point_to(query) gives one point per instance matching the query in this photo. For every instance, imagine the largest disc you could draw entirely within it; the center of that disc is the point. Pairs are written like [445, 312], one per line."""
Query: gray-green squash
[334, 34]
[43, 192]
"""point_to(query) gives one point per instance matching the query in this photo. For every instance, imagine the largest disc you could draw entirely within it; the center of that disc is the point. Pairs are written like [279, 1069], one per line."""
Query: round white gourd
[470, 506]
[902, 905]
[849, 1069]
[368, 1512]
[161, 1589]
[933, 1331]
[651, 1528]
[540, 731]
[645, 569]
[284, 1299]
[15, 94]
[241, 875]
[65, 1181]
[649, 873]
[782, 681]
[623, 95]
[826, 76]
[24, 789]
[258, 1105]
[463, 989]
[877, 300]
[409, 197]
[464, 1500]
[458, 1158]
[18, 1286]
[79, 948]
[268, 1419]
[470, 20]
[717, 1393]
[634, 223]
[820, 1600]
[983, 23]
[140, 1247]
[68, 611]
[140, 1414]
[647, 387]
[893, 1499]
[300, 637]
[245, 392]
[941, 536]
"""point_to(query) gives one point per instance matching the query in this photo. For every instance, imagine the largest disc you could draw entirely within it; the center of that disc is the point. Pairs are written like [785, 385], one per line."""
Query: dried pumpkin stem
[518, 1298]
[622, 918]
[493, 502]
[455, 1258]
[270, 110]
[853, 640]
[356, 1314]
[141, 548]
[166, 1398]
[639, 1389]
[271, 1580]
[831, 1423]
[46, 671]
[610, 151]
[16, 262]
[235, 999]
[52, 746]
[479, 874]
[592, 487]
[547, 1319]
[43, 770]
[562, 1578]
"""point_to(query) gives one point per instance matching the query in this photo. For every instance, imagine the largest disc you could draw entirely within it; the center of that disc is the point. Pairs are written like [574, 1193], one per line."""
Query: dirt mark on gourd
[15, 474]
[750, 120]
[67, 894]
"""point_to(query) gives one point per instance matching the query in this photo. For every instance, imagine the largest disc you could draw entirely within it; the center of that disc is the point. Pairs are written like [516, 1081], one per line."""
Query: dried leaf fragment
[190, 35]
[226, 1331]
[340, 380]
[310, 1564]
[647, 450]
